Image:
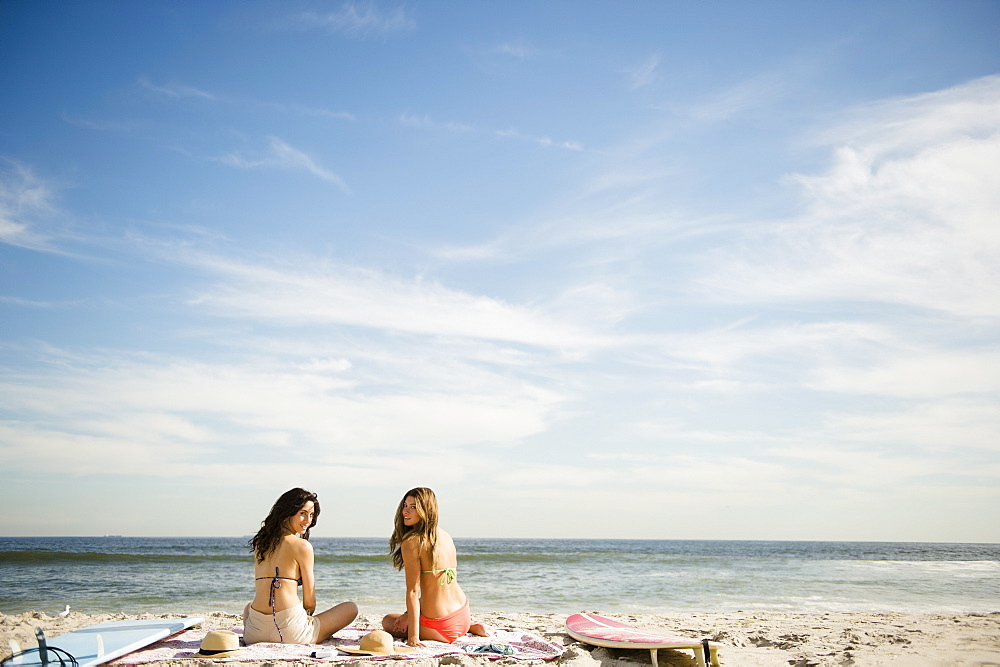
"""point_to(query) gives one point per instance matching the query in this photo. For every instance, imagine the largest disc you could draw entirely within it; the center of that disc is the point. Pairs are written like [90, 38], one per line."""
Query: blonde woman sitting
[436, 607]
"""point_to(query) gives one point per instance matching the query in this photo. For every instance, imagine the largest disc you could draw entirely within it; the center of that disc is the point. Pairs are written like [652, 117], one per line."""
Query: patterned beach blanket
[183, 646]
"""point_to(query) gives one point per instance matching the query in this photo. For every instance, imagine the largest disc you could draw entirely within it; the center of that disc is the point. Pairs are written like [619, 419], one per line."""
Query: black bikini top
[275, 584]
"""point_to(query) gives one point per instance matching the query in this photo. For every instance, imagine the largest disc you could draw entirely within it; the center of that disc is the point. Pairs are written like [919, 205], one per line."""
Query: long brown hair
[273, 528]
[425, 531]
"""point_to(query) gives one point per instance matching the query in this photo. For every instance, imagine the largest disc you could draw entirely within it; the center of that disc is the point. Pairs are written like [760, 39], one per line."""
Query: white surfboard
[599, 631]
[97, 644]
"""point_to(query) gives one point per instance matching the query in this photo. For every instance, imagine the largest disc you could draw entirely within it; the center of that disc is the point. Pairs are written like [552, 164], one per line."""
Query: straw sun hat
[218, 644]
[376, 642]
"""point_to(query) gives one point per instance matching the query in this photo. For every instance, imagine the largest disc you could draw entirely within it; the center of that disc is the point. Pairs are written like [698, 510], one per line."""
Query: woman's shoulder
[414, 546]
[289, 544]
[295, 546]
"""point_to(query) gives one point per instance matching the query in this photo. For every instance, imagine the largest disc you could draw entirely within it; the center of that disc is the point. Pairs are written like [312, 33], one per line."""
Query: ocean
[199, 575]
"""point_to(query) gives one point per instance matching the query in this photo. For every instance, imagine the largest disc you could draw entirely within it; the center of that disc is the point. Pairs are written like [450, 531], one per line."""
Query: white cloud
[331, 294]
[547, 142]
[28, 449]
[131, 408]
[175, 90]
[793, 493]
[917, 374]
[759, 91]
[644, 73]
[963, 424]
[859, 469]
[328, 365]
[282, 156]
[425, 123]
[941, 117]
[764, 352]
[302, 110]
[905, 215]
[28, 303]
[516, 49]
[360, 20]
[24, 201]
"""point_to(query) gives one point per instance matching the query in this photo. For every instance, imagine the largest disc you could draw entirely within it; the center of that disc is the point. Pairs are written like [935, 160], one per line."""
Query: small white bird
[64, 613]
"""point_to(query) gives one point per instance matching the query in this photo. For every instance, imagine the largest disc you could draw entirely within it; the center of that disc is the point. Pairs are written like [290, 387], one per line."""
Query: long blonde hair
[425, 531]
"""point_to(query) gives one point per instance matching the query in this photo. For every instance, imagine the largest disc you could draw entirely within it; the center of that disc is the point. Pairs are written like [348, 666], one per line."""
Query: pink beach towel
[183, 646]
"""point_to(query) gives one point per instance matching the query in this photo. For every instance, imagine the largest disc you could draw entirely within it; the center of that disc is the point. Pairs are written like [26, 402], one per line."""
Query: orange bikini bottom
[452, 626]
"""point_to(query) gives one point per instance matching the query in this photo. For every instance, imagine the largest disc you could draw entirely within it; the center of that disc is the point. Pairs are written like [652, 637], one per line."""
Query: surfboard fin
[15, 651]
[100, 646]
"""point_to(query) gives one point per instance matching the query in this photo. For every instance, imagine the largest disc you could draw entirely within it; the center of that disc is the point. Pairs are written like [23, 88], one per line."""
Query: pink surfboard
[599, 631]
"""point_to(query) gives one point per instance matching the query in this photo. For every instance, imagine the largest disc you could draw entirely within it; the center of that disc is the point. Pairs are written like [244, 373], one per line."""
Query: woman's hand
[414, 642]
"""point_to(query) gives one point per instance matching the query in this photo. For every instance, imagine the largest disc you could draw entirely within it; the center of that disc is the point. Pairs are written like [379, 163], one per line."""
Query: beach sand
[749, 638]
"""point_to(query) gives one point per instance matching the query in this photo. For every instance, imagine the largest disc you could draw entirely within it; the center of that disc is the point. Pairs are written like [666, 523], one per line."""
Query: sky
[665, 270]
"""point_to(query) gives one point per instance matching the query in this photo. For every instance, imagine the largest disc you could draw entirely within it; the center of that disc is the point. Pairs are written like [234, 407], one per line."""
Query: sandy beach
[749, 638]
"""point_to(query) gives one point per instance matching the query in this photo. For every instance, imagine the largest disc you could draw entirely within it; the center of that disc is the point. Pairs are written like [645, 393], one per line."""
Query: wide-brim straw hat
[218, 644]
[376, 642]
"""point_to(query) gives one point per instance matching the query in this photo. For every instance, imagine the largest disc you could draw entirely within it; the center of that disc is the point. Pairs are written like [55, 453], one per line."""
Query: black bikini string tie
[275, 584]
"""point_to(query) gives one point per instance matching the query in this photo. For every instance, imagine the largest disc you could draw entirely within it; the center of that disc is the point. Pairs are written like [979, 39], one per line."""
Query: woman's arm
[411, 564]
[304, 556]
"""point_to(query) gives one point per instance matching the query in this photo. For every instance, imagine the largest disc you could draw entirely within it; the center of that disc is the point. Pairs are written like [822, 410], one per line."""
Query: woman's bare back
[283, 562]
[440, 593]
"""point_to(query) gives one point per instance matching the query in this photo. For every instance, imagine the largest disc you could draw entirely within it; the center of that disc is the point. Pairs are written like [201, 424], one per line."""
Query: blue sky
[587, 269]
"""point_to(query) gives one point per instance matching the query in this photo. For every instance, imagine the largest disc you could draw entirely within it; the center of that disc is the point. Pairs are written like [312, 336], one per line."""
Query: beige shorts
[297, 627]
